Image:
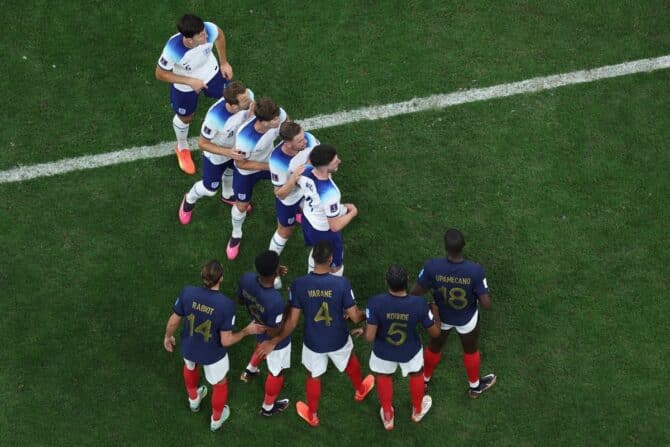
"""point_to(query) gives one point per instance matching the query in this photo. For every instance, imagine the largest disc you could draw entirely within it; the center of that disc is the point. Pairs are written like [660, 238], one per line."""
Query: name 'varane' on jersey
[220, 125]
[455, 287]
[322, 200]
[264, 304]
[283, 165]
[198, 62]
[207, 313]
[254, 145]
[396, 319]
[324, 299]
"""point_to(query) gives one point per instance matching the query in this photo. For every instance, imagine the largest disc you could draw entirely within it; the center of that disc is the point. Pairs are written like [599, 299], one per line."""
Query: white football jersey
[220, 126]
[198, 62]
[256, 146]
[322, 200]
[282, 166]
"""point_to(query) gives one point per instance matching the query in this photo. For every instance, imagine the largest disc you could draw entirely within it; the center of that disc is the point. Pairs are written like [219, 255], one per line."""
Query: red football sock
[313, 388]
[472, 363]
[255, 358]
[430, 361]
[353, 370]
[273, 385]
[416, 390]
[385, 394]
[191, 379]
[219, 399]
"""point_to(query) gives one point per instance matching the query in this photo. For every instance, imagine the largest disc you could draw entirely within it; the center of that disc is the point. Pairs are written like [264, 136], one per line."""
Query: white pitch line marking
[440, 101]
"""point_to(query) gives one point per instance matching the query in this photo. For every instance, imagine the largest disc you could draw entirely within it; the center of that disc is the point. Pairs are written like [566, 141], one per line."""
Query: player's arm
[485, 301]
[252, 165]
[207, 145]
[281, 192]
[370, 332]
[220, 44]
[434, 330]
[172, 325]
[355, 314]
[287, 327]
[171, 78]
[338, 223]
[229, 338]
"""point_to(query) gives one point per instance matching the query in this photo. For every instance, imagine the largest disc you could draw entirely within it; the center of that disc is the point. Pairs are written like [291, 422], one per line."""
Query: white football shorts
[215, 372]
[317, 362]
[381, 366]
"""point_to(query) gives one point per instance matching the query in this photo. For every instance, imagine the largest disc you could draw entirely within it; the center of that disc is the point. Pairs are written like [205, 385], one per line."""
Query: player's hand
[197, 84]
[351, 208]
[295, 176]
[282, 270]
[168, 344]
[236, 155]
[227, 71]
[356, 332]
[254, 328]
[265, 348]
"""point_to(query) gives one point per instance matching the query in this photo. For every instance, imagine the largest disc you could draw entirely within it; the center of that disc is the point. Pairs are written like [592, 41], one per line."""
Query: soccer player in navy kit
[392, 318]
[325, 299]
[266, 306]
[207, 333]
[458, 287]
[188, 64]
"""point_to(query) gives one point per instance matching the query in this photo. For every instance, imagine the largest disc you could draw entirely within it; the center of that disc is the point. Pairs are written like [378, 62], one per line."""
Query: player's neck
[455, 258]
[399, 294]
[322, 269]
[266, 281]
[187, 44]
[261, 127]
[231, 108]
[321, 174]
[215, 288]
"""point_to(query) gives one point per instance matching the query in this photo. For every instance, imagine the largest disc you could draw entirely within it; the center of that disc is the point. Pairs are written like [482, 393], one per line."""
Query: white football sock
[339, 272]
[237, 220]
[197, 192]
[181, 131]
[227, 184]
[277, 243]
[310, 262]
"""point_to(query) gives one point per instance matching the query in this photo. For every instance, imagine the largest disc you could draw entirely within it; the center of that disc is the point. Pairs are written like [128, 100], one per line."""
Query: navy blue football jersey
[265, 305]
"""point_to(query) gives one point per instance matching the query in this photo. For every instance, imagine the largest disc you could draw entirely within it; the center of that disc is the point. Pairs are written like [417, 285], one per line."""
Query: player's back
[323, 299]
[455, 287]
[207, 313]
[264, 305]
[397, 319]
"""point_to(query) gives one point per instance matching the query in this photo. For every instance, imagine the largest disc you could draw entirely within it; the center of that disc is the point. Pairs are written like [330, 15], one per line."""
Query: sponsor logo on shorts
[242, 197]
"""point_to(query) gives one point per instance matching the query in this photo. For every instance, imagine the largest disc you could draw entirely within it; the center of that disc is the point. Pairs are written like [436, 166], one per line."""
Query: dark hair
[396, 278]
[454, 241]
[322, 251]
[267, 263]
[190, 25]
[232, 91]
[211, 273]
[266, 109]
[288, 130]
[322, 154]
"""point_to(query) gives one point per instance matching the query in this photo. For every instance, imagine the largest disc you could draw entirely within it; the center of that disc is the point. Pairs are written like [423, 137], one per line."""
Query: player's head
[322, 252]
[193, 29]
[293, 136]
[267, 263]
[211, 273]
[396, 278]
[454, 242]
[236, 95]
[324, 156]
[267, 111]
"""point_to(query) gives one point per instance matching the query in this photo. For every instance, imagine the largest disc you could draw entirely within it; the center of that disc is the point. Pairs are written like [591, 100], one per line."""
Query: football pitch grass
[562, 196]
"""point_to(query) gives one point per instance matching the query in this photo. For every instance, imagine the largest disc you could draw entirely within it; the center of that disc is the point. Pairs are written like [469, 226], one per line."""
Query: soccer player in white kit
[254, 140]
[287, 164]
[188, 64]
[217, 139]
[324, 216]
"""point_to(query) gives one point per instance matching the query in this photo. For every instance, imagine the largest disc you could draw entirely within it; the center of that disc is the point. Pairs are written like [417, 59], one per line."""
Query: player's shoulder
[311, 140]
[212, 31]
[175, 47]
[248, 277]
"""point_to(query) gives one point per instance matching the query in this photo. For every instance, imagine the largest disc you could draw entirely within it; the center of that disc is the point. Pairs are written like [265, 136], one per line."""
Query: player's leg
[184, 105]
[243, 187]
[191, 375]
[384, 370]
[346, 360]
[277, 362]
[472, 359]
[216, 375]
[215, 86]
[337, 267]
[227, 193]
[211, 177]
[285, 225]
[252, 368]
[308, 233]
[432, 354]
[316, 364]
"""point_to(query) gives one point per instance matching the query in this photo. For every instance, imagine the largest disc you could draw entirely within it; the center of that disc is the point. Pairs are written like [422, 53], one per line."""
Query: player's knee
[284, 232]
[186, 119]
[242, 206]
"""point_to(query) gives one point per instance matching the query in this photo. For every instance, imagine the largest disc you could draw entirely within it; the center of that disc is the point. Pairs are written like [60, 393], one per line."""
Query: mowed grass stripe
[438, 101]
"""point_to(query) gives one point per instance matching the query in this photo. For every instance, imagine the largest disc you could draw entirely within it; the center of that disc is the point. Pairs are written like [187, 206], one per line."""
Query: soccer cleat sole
[369, 384]
[303, 411]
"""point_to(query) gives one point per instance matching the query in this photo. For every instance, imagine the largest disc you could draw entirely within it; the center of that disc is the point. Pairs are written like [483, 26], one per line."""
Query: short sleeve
[294, 299]
[178, 306]
[228, 317]
[424, 277]
[332, 207]
[208, 130]
[212, 31]
[370, 314]
[427, 318]
[166, 61]
[481, 286]
[348, 298]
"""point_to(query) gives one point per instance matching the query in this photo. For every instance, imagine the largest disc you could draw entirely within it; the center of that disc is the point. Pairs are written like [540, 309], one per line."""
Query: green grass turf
[559, 195]
[563, 196]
